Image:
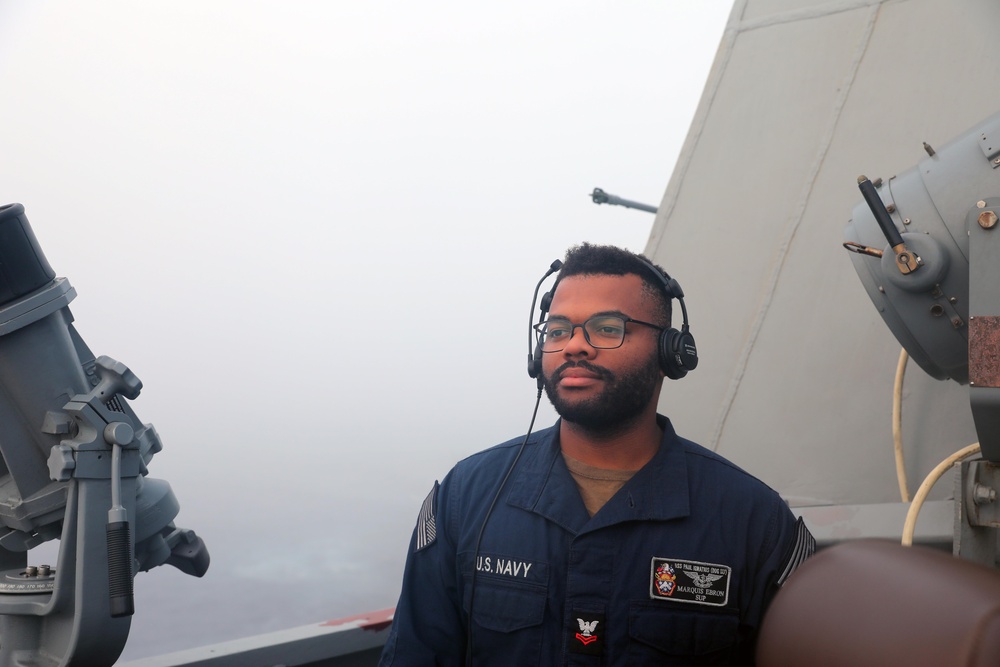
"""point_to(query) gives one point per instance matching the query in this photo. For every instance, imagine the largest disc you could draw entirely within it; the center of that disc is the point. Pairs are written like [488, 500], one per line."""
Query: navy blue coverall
[676, 568]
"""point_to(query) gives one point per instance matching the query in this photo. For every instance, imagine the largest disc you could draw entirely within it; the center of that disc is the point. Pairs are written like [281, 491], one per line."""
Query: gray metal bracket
[977, 512]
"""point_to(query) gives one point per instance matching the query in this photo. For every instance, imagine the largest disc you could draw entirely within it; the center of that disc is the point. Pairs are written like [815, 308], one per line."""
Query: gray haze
[312, 229]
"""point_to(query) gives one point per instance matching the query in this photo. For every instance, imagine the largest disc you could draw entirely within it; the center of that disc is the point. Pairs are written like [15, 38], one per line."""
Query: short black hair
[587, 259]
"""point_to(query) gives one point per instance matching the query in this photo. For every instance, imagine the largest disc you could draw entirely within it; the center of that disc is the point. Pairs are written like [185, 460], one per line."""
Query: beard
[623, 399]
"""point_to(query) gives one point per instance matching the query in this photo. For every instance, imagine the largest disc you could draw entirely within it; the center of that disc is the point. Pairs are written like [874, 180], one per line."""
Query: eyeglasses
[604, 332]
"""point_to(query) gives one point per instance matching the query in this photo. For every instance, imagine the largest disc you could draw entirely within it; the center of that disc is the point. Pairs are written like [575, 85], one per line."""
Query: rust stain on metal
[375, 621]
[984, 351]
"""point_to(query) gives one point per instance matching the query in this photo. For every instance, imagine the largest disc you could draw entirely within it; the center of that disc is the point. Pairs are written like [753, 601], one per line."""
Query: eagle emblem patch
[588, 637]
[586, 634]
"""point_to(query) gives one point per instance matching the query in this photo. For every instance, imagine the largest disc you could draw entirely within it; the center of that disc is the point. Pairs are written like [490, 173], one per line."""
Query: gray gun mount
[74, 465]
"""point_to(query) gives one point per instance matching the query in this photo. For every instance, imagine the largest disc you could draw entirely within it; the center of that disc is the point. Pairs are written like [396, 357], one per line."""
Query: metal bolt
[952, 299]
[987, 219]
[983, 495]
[981, 204]
[877, 182]
[906, 221]
[891, 208]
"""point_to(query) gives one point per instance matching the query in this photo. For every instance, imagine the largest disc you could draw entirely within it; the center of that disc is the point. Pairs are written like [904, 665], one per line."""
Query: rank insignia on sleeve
[427, 521]
[587, 632]
[689, 581]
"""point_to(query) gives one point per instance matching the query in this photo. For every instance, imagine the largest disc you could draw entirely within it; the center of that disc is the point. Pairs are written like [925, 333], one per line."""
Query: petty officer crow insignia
[426, 521]
[588, 633]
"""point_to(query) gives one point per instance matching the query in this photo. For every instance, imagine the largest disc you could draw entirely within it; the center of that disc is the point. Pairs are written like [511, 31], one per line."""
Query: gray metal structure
[599, 196]
[797, 369]
[926, 250]
[74, 466]
[345, 642]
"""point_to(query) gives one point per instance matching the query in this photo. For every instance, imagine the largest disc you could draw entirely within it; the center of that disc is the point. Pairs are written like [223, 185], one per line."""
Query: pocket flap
[507, 608]
[683, 631]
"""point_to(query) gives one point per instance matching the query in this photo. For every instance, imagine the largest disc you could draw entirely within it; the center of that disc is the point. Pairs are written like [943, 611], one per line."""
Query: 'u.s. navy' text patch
[689, 581]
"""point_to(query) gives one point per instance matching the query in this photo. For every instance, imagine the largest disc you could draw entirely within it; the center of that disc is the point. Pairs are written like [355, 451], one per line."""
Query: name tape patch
[689, 581]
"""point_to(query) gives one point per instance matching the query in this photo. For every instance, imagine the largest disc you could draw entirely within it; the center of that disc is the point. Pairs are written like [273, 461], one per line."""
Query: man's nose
[578, 344]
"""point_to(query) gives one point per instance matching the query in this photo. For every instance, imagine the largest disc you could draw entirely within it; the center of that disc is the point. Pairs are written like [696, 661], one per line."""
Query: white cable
[918, 499]
[897, 425]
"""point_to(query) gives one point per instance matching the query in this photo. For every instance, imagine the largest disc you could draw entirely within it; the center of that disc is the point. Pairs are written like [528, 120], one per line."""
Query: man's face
[600, 389]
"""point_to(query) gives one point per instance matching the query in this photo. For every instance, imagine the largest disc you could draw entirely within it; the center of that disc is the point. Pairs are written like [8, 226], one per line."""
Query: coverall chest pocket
[679, 635]
[507, 619]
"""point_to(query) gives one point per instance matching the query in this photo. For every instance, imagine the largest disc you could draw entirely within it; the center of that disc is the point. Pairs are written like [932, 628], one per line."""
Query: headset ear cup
[670, 363]
[687, 350]
[678, 353]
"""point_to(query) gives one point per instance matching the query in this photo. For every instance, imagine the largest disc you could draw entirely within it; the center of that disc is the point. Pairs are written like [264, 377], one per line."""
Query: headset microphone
[535, 359]
[535, 371]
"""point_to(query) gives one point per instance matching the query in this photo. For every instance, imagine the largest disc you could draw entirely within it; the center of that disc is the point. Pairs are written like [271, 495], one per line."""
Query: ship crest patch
[665, 579]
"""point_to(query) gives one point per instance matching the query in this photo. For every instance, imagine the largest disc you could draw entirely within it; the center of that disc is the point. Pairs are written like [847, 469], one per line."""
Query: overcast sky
[286, 218]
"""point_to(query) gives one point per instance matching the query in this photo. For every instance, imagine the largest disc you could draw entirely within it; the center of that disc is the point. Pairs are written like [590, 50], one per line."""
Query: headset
[535, 359]
[677, 352]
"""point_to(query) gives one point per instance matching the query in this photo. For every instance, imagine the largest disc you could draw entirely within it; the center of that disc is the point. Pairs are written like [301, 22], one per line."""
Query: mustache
[600, 371]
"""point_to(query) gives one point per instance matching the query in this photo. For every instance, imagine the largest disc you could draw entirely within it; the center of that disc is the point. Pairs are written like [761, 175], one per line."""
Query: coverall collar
[658, 491]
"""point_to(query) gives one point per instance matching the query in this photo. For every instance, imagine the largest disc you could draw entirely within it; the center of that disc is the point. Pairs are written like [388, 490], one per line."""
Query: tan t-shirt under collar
[596, 485]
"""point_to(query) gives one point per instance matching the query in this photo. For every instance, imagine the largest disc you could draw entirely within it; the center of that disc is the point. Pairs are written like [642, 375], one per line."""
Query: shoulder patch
[427, 521]
[803, 547]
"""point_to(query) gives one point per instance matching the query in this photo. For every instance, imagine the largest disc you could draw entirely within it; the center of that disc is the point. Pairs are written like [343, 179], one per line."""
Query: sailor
[606, 539]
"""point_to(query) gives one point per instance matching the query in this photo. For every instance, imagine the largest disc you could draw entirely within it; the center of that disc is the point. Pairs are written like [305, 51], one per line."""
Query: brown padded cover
[873, 602]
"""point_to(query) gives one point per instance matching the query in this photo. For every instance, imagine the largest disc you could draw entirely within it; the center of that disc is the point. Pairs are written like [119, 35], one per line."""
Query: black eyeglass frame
[540, 333]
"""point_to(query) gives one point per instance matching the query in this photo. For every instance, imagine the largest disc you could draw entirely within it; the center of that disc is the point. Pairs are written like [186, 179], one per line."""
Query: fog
[312, 229]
